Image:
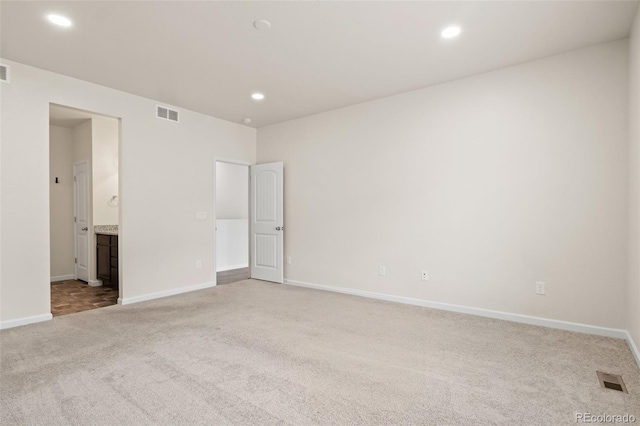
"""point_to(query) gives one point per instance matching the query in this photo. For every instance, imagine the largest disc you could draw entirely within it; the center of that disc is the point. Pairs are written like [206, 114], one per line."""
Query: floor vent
[611, 381]
[167, 113]
[4, 73]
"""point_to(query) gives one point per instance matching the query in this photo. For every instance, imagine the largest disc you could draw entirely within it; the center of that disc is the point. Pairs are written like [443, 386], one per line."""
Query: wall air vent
[4, 73]
[167, 113]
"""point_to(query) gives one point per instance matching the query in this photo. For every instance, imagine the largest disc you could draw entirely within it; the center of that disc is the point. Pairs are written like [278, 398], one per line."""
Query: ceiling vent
[4, 73]
[167, 113]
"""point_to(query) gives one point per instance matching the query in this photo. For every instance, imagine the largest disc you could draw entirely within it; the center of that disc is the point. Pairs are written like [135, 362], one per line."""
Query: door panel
[266, 210]
[267, 222]
[266, 249]
[82, 222]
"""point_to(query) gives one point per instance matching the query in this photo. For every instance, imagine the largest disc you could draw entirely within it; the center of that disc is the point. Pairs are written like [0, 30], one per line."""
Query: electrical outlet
[541, 288]
[382, 271]
[201, 215]
[425, 275]
[198, 264]
[288, 260]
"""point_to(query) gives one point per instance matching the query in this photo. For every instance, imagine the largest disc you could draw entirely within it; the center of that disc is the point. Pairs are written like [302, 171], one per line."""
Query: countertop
[106, 229]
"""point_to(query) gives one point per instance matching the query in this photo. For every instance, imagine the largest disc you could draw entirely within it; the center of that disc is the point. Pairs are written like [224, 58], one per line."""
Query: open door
[81, 219]
[267, 222]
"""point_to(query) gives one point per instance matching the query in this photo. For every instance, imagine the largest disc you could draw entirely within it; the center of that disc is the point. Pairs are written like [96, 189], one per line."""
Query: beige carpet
[259, 353]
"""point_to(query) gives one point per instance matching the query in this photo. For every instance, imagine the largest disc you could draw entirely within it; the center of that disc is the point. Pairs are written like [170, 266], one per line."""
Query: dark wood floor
[233, 276]
[68, 297]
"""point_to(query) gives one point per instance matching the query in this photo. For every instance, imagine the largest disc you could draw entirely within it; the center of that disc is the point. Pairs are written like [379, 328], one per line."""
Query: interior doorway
[232, 222]
[83, 208]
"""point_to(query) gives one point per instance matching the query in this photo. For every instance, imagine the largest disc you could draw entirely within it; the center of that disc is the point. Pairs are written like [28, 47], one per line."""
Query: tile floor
[68, 297]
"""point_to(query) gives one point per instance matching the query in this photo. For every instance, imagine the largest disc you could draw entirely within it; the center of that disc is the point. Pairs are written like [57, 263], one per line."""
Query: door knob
[85, 229]
[277, 228]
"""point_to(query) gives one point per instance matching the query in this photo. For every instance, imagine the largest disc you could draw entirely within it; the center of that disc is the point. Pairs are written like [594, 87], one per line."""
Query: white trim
[525, 319]
[634, 348]
[231, 267]
[25, 321]
[121, 252]
[166, 293]
[215, 221]
[95, 283]
[63, 278]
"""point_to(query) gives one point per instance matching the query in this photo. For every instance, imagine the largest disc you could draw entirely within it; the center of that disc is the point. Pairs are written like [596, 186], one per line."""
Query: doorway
[83, 204]
[232, 222]
[248, 210]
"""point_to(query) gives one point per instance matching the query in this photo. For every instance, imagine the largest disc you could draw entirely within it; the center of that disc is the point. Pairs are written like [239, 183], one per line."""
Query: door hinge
[74, 178]
[75, 219]
[75, 259]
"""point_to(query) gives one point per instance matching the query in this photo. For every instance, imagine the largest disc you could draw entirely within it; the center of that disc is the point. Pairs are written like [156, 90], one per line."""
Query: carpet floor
[254, 353]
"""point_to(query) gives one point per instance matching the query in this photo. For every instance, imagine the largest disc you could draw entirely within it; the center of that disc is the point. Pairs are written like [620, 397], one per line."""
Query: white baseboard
[634, 348]
[525, 319]
[229, 268]
[63, 278]
[95, 283]
[24, 321]
[166, 293]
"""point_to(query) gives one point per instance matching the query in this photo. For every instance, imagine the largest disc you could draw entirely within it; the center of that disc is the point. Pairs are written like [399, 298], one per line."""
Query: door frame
[89, 201]
[214, 214]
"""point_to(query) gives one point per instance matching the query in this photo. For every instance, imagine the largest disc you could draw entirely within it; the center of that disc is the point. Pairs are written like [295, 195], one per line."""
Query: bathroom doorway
[83, 209]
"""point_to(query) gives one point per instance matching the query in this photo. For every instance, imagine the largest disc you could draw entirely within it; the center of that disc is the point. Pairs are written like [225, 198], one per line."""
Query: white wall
[633, 297]
[166, 175]
[232, 191]
[105, 169]
[83, 143]
[61, 200]
[491, 183]
[232, 244]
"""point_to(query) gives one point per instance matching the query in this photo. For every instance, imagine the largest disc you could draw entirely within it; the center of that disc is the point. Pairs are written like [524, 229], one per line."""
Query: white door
[267, 222]
[81, 218]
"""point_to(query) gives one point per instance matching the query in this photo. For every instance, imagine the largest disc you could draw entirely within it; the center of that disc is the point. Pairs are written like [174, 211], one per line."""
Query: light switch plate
[201, 215]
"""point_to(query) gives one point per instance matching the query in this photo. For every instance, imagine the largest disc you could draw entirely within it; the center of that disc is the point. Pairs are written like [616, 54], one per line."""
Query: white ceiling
[318, 56]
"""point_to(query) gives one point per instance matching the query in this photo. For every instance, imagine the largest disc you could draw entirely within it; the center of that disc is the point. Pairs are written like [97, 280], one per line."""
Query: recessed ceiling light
[246, 120]
[262, 24]
[451, 32]
[257, 96]
[59, 20]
